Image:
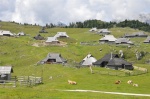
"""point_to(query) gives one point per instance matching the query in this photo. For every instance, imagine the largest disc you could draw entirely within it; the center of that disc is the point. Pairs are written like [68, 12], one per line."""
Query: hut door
[3, 77]
[123, 66]
[104, 64]
[51, 60]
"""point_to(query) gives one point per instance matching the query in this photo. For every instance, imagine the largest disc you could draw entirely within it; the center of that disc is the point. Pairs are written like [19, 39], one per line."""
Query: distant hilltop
[61, 24]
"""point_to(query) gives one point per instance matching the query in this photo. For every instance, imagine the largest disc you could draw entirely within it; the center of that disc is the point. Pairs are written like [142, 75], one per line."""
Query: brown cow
[118, 82]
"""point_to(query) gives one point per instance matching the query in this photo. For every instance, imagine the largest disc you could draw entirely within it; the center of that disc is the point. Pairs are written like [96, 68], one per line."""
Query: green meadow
[19, 53]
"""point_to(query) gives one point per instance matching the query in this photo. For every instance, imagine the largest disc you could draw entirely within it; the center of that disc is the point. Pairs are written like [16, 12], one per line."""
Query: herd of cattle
[128, 82]
[117, 82]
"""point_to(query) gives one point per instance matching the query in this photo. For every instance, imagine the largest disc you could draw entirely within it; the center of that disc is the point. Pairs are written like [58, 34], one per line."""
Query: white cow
[129, 82]
[72, 82]
[136, 85]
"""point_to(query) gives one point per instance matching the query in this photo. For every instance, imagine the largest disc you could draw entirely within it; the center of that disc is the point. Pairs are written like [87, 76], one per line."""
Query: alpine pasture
[19, 53]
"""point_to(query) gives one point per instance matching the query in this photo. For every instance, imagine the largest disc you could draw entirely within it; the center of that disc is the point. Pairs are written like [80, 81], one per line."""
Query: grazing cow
[118, 82]
[51, 77]
[130, 82]
[72, 82]
[136, 85]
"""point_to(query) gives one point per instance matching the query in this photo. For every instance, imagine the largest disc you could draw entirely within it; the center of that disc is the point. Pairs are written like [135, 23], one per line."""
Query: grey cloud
[7, 7]
[53, 11]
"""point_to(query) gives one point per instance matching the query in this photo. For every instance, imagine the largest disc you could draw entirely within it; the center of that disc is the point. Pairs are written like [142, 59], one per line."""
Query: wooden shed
[119, 63]
[113, 61]
[53, 58]
[137, 34]
[147, 40]
[5, 72]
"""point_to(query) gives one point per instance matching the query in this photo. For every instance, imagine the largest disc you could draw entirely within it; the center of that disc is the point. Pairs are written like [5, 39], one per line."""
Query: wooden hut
[5, 72]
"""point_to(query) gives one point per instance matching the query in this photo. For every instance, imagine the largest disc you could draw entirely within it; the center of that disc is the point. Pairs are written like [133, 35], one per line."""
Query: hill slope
[20, 53]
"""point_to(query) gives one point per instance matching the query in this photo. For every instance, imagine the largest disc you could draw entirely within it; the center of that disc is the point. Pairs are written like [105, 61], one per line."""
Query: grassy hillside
[20, 53]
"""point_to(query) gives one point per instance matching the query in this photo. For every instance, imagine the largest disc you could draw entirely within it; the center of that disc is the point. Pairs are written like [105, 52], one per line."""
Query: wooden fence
[123, 72]
[111, 73]
[9, 83]
[21, 80]
[140, 68]
[29, 80]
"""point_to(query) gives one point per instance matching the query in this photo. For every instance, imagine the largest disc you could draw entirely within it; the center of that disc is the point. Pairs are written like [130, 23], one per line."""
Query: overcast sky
[53, 11]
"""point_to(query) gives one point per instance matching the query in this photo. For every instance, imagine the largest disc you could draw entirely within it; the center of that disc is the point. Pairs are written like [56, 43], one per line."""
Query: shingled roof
[38, 37]
[88, 60]
[123, 41]
[147, 40]
[137, 34]
[103, 31]
[106, 58]
[61, 34]
[6, 69]
[93, 29]
[118, 61]
[55, 57]
[51, 39]
[109, 38]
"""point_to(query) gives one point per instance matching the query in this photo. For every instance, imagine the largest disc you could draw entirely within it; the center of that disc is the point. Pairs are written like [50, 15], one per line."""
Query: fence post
[14, 84]
[28, 81]
[4, 83]
[91, 69]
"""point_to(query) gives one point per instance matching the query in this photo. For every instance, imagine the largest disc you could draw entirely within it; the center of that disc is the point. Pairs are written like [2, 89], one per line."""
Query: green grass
[19, 53]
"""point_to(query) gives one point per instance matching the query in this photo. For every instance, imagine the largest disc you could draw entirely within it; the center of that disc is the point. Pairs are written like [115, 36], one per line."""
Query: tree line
[136, 24]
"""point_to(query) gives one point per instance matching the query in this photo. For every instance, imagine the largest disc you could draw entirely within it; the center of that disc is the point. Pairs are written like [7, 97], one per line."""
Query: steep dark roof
[38, 37]
[43, 30]
[57, 56]
[118, 61]
[106, 58]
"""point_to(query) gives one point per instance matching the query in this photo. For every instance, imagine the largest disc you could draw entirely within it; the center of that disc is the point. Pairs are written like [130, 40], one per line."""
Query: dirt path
[116, 93]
